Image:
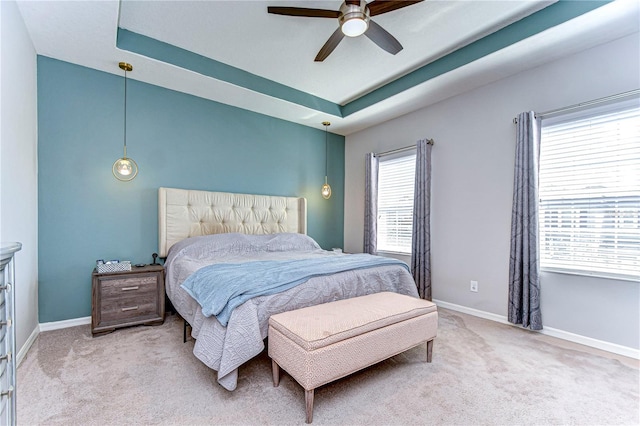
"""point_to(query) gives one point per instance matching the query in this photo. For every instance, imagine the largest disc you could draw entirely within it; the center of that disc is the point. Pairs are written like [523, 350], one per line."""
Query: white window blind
[590, 193]
[395, 203]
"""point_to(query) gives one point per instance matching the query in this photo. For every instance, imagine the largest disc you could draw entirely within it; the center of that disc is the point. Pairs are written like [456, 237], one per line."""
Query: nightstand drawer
[130, 306]
[128, 287]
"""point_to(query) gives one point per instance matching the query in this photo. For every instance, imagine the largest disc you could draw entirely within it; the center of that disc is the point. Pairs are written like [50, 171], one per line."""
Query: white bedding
[224, 349]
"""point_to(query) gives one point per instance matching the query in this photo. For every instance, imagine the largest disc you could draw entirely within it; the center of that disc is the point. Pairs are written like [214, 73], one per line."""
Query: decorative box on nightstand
[121, 299]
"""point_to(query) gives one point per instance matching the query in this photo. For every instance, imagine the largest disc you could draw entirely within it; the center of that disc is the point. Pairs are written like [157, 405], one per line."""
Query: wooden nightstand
[121, 299]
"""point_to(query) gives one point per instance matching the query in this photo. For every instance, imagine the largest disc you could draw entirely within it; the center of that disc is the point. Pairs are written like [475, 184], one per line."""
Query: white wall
[473, 160]
[18, 163]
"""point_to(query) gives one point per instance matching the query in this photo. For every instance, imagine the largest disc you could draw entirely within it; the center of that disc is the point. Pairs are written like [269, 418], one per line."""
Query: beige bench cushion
[321, 325]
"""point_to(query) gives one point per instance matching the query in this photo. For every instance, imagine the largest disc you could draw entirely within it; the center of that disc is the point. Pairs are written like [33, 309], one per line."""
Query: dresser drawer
[127, 298]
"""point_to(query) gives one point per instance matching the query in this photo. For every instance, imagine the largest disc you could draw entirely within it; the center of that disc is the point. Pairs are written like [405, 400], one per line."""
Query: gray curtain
[524, 280]
[371, 204]
[421, 240]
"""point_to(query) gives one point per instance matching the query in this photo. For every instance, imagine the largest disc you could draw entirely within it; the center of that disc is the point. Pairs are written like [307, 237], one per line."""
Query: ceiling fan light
[355, 26]
[354, 19]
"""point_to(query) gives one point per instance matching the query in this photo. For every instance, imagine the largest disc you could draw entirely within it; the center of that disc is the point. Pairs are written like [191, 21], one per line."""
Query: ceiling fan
[354, 18]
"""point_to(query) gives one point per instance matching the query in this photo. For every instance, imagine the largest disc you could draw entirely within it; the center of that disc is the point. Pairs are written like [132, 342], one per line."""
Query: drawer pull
[130, 288]
[7, 394]
[6, 357]
[7, 323]
[133, 308]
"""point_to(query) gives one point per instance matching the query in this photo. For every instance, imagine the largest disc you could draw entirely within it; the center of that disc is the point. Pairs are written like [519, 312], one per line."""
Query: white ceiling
[243, 35]
[281, 48]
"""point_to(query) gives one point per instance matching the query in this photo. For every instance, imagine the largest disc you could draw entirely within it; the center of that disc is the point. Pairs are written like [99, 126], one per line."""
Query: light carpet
[483, 373]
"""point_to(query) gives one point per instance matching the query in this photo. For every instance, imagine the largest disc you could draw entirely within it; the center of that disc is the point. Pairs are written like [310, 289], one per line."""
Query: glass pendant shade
[125, 169]
[326, 190]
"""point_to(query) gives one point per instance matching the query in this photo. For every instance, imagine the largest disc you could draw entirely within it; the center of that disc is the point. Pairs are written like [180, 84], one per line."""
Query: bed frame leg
[429, 350]
[275, 369]
[184, 330]
[308, 400]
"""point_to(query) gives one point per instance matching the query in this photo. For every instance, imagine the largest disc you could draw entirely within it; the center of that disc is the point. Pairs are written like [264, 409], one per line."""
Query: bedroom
[82, 205]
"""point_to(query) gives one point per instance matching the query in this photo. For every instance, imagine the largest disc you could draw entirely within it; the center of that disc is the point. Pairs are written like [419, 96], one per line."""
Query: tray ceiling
[236, 53]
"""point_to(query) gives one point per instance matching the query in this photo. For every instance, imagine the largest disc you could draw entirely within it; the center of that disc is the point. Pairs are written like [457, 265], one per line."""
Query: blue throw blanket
[222, 287]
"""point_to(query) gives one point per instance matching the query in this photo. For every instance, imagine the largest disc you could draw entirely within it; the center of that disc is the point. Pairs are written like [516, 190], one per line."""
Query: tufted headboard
[186, 213]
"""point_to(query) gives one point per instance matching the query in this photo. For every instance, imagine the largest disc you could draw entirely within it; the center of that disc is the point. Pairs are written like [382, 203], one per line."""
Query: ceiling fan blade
[377, 7]
[382, 38]
[331, 44]
[301, 11]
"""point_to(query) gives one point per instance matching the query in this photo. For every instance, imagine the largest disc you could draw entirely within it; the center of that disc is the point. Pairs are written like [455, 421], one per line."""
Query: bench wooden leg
[429, 350]
[308, 400]
[275, 369]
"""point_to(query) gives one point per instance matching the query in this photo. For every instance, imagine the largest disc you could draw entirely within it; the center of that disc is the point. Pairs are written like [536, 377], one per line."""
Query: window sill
[591, 274]
[404, 257]
[394, 253]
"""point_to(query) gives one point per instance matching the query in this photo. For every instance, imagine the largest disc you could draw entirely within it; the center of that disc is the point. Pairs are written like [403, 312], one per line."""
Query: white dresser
[7, 334]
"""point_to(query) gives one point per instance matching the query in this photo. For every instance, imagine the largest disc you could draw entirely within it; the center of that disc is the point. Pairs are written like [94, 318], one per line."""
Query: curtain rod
[587, 103]
[395, 151]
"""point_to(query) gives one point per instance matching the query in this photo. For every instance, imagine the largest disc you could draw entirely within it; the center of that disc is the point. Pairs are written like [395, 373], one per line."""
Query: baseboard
[56, 325]
[549, 331]
[27, 345]
[48, 326]
[471, 311]
[594, 343]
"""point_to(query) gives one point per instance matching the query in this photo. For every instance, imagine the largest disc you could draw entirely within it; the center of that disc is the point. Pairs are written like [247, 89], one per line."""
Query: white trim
[594, 343]
[27, 345]
[56, 325]
[48, 326]
[584, 273]
[471, 311]
[548, 331]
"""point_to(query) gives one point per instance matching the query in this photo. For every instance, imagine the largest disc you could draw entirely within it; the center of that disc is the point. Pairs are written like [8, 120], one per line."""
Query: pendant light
[125, 169]
[326, 189]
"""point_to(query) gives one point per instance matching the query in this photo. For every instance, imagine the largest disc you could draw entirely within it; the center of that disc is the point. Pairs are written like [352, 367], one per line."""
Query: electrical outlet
[474, 286]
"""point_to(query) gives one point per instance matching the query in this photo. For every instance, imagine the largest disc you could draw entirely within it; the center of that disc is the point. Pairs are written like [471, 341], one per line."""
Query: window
[589, 184]
[395, 203]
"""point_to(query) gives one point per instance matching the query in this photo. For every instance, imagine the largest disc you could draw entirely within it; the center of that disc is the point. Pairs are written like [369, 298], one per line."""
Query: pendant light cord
[326, 125]
[326, 152]
[125, 113]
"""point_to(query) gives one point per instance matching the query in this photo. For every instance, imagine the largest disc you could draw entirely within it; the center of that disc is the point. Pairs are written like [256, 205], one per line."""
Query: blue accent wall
[178, 140]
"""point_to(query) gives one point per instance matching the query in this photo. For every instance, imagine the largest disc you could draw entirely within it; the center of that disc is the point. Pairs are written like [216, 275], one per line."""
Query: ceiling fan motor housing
[354, 18]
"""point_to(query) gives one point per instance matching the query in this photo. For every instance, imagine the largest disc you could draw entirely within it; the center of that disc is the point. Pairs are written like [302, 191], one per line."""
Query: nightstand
[122, 299]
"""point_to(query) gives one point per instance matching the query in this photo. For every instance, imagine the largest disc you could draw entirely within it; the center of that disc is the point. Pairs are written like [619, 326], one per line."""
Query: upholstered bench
[322, 343]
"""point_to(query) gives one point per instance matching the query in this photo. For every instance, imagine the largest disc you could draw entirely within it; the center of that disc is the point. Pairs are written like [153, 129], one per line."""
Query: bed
[202, 229]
